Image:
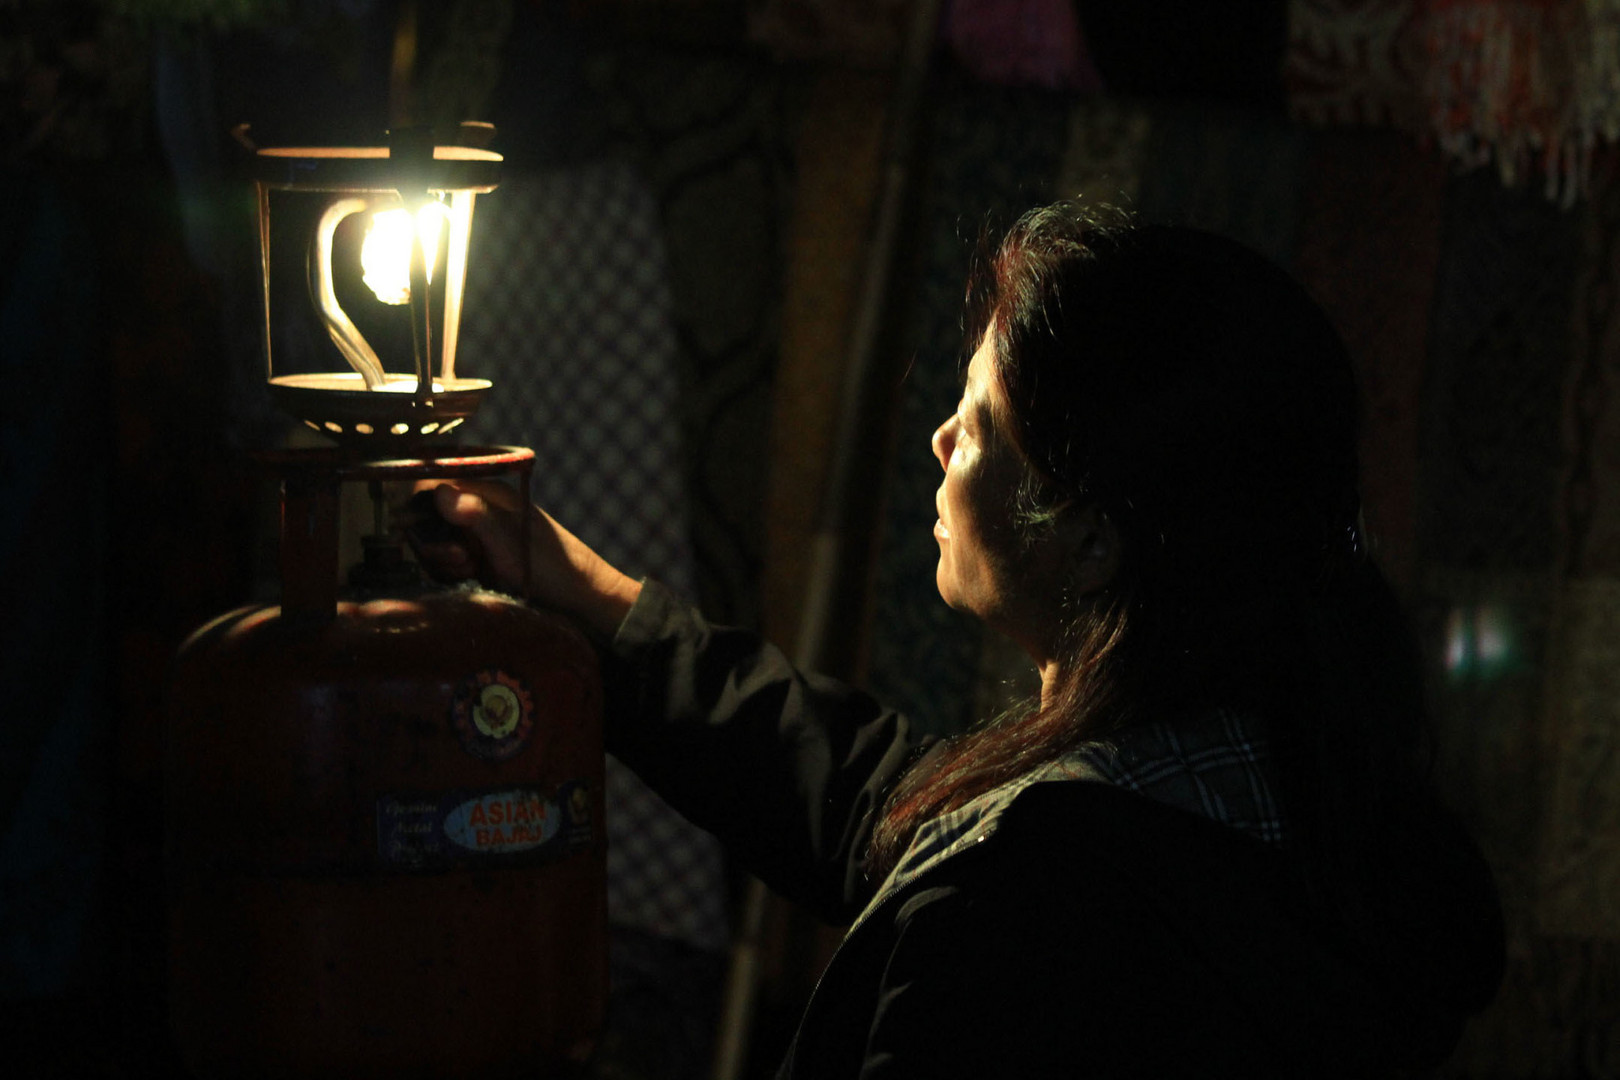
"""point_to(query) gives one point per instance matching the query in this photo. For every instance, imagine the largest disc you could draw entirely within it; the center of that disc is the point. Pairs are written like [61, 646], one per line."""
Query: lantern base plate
[338, 405]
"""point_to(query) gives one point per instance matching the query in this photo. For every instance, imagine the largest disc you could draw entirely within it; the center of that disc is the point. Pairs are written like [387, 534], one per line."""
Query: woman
[1208, 848]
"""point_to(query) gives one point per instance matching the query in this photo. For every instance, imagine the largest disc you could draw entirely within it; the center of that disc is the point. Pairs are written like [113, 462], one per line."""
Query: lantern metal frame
[368, 406]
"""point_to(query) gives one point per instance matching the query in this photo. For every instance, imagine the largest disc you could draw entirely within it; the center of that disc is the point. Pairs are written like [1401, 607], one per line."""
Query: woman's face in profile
[978, 544]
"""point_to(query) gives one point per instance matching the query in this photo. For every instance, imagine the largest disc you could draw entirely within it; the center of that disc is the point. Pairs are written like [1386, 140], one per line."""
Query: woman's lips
[940, 531]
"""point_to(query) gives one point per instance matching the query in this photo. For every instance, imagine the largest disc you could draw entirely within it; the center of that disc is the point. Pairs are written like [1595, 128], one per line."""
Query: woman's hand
[566, 575]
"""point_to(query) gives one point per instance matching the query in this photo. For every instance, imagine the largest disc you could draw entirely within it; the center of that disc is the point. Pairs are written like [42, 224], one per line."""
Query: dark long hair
[1192, 392]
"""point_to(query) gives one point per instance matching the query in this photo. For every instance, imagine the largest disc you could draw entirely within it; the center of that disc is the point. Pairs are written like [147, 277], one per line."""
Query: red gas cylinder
[384, 815]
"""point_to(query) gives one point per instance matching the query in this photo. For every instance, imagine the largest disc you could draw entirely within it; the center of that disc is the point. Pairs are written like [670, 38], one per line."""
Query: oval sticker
[502, 822]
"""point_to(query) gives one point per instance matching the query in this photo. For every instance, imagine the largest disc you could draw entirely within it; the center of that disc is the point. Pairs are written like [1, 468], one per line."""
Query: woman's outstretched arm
[788, 769]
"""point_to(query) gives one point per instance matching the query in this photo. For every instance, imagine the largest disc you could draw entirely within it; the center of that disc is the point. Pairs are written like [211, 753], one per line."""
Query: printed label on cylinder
[505, 822]
[506, 826]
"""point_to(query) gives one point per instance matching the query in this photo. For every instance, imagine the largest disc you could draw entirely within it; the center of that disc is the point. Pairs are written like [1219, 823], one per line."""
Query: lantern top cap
[372, 153]
[458, 162]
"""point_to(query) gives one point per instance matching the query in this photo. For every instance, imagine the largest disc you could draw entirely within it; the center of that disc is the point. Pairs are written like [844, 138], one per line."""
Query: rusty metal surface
[380, 422]
[428, 463]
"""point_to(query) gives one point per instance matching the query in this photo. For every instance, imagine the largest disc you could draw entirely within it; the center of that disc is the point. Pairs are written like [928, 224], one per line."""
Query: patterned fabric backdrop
[1532, 86]
[707, 132]
[1491, 466]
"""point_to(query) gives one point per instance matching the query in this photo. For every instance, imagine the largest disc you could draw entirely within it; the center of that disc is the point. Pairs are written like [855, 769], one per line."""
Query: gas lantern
[384, 799]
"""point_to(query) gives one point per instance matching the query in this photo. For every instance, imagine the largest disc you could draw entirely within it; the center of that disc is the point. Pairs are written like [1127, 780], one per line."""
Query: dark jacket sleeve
[787, 769]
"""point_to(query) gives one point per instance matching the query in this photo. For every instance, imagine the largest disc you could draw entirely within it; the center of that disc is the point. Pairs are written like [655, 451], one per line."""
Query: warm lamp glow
[385, 256]
[371, 212]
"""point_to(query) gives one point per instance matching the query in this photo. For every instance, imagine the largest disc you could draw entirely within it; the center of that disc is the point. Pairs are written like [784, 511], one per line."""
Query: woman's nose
[941, 442]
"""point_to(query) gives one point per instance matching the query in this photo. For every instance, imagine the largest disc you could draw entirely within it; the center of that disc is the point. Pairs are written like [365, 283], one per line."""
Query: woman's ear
[1090, 543]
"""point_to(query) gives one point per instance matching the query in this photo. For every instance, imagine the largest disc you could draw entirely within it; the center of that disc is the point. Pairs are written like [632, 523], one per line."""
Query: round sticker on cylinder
[493, 713]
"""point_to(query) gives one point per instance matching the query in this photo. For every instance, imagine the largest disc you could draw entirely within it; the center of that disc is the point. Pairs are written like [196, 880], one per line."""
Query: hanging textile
[1532, 86]
[1504, 79]
[1352, 62]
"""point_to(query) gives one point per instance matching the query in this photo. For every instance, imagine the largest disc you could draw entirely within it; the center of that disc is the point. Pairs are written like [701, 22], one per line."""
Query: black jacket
[1092, 933]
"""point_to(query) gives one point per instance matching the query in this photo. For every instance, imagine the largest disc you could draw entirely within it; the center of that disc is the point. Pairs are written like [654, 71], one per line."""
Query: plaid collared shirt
[1217, 766]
